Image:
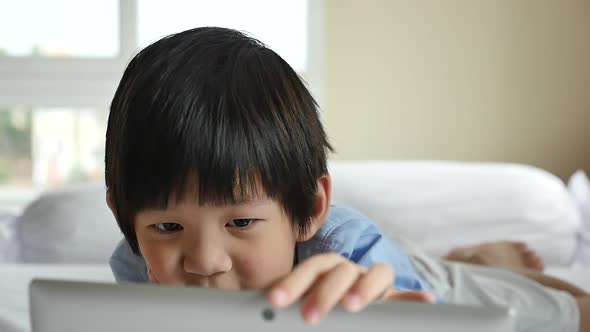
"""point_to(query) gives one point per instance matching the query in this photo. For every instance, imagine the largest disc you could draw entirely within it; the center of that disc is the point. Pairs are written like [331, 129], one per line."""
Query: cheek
[267, 260]
[162, 259]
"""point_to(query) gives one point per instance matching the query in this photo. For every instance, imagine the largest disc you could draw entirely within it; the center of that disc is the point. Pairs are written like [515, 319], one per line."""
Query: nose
[206, 257]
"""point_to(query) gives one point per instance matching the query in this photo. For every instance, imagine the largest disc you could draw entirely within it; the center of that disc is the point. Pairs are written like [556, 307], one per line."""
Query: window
[282, 25]
[61, 60]
[61, 28]
[50, 146]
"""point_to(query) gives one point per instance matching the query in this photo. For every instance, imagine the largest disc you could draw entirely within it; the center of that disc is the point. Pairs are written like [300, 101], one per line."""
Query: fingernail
[278, 297]
[353, 302]
[312, 316]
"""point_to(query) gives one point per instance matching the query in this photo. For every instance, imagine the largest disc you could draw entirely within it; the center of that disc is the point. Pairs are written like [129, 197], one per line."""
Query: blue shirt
[346, 231]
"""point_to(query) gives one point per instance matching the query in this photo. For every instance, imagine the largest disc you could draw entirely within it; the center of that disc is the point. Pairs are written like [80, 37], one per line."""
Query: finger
[369, 287]
[328, 291]
[292, 287]
[540, 263]
[412, 296]
[520, 245]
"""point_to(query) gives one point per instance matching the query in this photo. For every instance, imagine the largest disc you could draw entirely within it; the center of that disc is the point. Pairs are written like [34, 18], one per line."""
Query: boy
[216, 173]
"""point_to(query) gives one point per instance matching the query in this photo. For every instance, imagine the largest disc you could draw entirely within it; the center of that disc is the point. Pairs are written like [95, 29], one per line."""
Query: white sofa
[70, 233]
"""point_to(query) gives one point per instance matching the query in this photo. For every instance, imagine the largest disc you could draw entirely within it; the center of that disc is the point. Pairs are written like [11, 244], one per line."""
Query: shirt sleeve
[127, 266]
[369, 247]
[357, 238]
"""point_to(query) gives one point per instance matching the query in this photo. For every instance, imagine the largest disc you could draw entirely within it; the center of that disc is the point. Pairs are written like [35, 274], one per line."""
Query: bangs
[216, 183]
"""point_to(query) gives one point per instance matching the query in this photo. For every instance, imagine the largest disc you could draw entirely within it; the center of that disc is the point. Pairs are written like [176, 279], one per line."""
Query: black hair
[220, 105]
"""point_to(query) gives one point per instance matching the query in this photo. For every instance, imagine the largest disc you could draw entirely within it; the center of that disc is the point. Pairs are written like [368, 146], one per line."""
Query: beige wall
[495, 80]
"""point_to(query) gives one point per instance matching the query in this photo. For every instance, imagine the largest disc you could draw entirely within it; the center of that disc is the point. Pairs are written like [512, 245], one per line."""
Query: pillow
[579, 188]
[441, 205]
[69, 225]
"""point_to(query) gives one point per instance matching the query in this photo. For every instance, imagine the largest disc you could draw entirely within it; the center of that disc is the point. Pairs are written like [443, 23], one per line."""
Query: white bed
[69, 234]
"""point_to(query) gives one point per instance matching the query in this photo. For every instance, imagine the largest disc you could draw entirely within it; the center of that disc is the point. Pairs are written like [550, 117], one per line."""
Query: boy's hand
[327, 279]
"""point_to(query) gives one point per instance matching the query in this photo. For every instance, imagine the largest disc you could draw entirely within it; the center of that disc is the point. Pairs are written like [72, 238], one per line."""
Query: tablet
[58, 306]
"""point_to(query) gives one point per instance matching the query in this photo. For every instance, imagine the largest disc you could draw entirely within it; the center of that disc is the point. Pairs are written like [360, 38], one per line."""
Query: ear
[321, 207]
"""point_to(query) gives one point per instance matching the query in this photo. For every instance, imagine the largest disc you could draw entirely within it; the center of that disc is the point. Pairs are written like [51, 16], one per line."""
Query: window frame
[85, 82]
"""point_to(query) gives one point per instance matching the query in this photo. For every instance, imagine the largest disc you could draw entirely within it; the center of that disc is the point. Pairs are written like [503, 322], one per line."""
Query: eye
[241, 223]
[168, 227]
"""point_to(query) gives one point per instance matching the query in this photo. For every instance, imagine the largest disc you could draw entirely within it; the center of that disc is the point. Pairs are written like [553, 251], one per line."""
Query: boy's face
[247, 245]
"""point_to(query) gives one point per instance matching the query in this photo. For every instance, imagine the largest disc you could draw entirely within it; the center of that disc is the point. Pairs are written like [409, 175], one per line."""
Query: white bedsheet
[15, 279]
